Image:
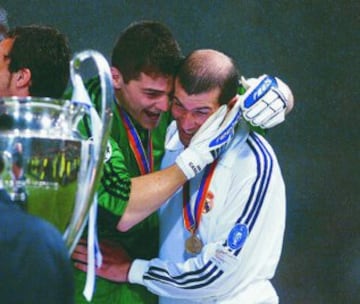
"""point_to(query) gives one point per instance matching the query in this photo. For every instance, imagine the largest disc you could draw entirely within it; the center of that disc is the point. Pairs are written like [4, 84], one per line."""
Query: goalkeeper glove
[265, 101]
[210, 140]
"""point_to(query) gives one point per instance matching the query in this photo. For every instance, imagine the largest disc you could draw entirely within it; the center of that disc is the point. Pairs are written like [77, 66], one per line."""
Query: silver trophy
[48, 168]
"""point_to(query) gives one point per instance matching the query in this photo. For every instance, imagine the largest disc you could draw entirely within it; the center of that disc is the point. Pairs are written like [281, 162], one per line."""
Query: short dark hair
[146, 46]
[45, 52]
[201, 71]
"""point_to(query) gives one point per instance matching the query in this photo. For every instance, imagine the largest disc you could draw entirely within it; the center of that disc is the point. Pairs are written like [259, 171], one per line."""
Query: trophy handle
[93, 156]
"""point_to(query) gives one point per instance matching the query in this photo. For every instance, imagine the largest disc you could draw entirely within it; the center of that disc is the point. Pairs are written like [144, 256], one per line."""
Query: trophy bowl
[41, 155]
[48, 168]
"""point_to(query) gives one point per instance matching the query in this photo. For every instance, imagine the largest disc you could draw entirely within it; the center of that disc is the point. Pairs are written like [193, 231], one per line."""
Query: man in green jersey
[144, 60]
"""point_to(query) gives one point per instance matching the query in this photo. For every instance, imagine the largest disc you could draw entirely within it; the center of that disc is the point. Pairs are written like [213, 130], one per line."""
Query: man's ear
[23, 78]
[117, 78]
[232, 102]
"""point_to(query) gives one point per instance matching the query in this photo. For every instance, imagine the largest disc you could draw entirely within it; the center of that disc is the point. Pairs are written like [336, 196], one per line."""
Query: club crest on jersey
[237, 236]
[209, 202]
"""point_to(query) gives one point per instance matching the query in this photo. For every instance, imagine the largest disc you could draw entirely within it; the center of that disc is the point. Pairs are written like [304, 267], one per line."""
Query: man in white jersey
[221, 234]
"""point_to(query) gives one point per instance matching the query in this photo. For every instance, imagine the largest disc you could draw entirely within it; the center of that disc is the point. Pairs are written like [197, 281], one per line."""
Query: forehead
[157, 82]
[5, 46]
[207, 99]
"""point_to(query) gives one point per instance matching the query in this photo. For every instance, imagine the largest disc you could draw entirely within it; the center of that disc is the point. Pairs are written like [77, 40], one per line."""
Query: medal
[191, 217]
[193, 244]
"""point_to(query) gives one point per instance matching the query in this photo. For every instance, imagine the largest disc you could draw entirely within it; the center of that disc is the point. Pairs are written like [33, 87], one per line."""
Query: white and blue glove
[210, 140]
[266, 101]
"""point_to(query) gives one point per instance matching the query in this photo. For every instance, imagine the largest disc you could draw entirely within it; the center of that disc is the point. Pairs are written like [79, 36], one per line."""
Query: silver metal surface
[48, 168]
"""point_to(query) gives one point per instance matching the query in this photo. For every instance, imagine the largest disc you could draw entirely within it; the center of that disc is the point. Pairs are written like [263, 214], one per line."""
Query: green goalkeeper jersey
[113, 194]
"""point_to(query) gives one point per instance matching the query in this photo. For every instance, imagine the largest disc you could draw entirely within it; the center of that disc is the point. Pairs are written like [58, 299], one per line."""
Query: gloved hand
[210, 140]
[265, 101]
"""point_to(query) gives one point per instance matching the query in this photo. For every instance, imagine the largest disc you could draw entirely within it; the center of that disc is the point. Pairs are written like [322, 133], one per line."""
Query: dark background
[314, 47]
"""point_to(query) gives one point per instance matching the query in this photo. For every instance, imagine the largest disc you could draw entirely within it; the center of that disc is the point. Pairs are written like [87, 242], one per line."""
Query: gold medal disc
[193, 244]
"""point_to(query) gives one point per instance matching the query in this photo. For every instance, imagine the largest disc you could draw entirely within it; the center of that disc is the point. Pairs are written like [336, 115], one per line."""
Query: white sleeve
[137, 270]
[183, 280]
[245, 246]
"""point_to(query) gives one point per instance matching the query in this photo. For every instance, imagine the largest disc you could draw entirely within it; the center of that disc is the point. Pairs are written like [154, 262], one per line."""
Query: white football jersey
[241, 229]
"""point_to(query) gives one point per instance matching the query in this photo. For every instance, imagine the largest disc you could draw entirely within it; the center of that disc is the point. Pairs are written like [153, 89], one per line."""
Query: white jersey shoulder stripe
[268, 166]
[264, 164]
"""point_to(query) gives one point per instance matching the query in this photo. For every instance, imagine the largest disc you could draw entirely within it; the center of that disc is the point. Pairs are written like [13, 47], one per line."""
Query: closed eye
[153, 93]
[176, 102]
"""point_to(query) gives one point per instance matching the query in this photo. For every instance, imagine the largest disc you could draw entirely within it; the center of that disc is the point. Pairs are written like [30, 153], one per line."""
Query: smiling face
[145, 98]
[191, 111]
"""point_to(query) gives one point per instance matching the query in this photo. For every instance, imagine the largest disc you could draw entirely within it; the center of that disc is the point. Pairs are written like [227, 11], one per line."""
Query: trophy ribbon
[94, 253]
[80, 94]
[191, 218]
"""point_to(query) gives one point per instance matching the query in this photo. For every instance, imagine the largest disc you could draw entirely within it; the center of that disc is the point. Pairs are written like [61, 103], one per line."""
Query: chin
[150, 125]
[185, 142]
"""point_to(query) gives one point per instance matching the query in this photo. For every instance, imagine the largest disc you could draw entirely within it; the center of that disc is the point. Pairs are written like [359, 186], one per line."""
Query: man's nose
[188, 121]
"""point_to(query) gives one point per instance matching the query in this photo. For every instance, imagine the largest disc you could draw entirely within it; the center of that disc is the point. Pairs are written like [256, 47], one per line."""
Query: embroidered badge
[237, 236]
[209, 202]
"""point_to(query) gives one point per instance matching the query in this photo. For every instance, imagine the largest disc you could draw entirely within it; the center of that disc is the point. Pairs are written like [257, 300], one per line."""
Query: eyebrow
[148, 90]
[196, 109]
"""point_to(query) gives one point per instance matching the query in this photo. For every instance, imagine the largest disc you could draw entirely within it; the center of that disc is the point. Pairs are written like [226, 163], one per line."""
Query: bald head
[205, 70]
[210, 62]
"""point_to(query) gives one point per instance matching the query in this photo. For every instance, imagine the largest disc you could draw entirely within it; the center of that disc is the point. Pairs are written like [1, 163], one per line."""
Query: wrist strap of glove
[190, 163]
